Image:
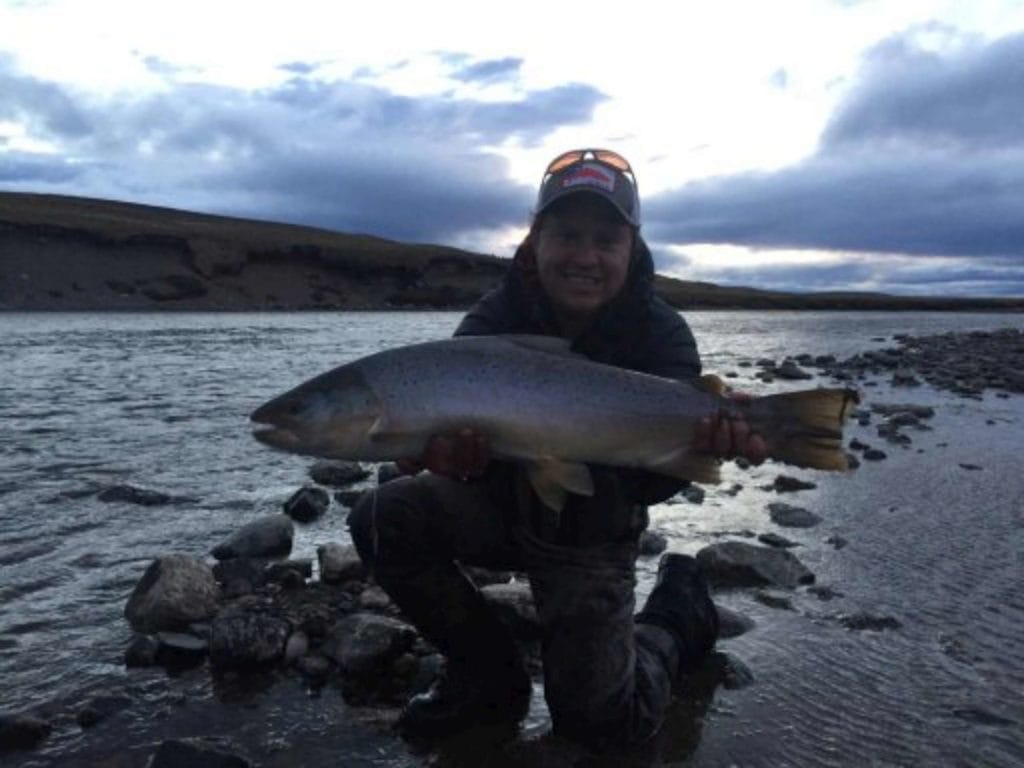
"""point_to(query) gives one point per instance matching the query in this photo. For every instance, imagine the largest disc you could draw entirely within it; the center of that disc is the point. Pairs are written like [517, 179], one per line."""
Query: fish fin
[553, 344]
[689, 465]
[552, 479]
[711, 384]
[804, 428]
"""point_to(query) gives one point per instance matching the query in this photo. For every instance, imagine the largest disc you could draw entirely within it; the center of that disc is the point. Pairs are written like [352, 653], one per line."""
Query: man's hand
[728, 437]
[461, 455]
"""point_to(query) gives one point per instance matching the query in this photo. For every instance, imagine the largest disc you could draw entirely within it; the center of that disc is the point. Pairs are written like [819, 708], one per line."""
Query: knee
[387, 522]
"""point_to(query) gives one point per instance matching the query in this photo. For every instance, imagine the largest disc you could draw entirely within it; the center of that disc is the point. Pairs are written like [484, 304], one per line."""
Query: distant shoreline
[86, 255]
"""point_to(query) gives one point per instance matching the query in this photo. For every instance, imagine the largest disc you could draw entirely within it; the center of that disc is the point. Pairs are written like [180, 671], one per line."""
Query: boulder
[790, 370]
[652, 543]
[338, 474]
[175, 591]
[270, 536]
[365, 644]
[738, 564]
[790, 516]
[732, 623]
[22, 732]
[247, 639]
[339, 563]
[775, 540]
[787, 484]
[307, 504]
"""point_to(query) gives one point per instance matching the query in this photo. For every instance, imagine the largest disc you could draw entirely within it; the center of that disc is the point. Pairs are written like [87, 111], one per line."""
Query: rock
[22, 732]
[888, 409]
[141, 651]
[693, 494]
[852, 462]
[339, 563]
[388, 472]
[774, 540]
[904, 377]
[652, 543]
[731, 623]
[338, 474]
[739, 564]
[970, 467]
[374, 599]
[99, 708]
[236, 569]
[513, 603]
[270, 536]
[873, 454]
[307, 504]
[180, 650]
[824, 592]
[290, 573]
[774, 600]
[314, 667]
[247, 639]
[175, 591]
[791, 371]
[196, 753]
[297, 646]
[787, 484]
[365, 644]
[861, 621]
[128, 494]
[838, 542]
[348, 498]
[790, 516]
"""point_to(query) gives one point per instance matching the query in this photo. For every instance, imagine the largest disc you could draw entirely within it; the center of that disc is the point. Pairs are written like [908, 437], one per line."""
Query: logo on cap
[590, 175]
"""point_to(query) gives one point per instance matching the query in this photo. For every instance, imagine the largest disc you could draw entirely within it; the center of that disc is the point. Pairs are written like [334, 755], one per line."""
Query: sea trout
[540, 404]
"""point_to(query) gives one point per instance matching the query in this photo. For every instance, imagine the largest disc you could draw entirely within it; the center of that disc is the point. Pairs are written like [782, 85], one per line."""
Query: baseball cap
[598, 171]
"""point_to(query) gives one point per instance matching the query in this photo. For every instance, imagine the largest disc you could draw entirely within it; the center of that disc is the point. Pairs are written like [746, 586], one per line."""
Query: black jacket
[637, 331]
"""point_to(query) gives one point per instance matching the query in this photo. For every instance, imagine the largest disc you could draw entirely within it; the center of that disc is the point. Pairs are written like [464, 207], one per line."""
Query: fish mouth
[277, 437]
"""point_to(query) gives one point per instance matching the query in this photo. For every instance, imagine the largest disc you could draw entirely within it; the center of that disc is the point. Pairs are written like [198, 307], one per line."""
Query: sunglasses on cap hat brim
[623, 197]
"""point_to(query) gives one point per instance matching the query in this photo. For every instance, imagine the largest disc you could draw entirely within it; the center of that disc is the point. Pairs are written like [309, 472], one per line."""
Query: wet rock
[175, 591]
[824, 592]
[348, 499]
[365, 644]
[837, 542]
[291, 573]
[374, 599]
[235, 569]
[269, 536]
[791, 371]
[307, 504]
[904, 377]
[775, 540]
[388, 472]
[315, 667]
[652, 543]
[693, 494]
[970, 467]
[197, 753]
[339, 563]
[774, 600]
[297, 646]
[790, 516]
[890, 409]
[247, 639]
[22, 732]
[874, 454]
[128, 494]
[867, 621]
[338, 474]
[739, 564]
[142, 651]
[178, 650]
[787, 484]
[732, 623]
[99, 708]
[852, 462]
[513, 603]
[735, 674]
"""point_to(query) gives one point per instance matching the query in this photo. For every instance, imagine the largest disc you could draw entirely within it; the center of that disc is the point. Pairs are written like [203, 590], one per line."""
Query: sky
[810, 145]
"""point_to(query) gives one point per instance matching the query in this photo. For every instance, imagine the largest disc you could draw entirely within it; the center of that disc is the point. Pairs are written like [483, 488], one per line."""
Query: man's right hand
[461, 455]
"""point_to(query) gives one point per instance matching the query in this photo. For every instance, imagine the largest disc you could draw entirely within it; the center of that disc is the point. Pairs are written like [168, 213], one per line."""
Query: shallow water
[161, 402]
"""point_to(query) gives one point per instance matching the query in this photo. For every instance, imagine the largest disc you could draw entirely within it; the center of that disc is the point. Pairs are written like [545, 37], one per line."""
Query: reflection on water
[161, 402]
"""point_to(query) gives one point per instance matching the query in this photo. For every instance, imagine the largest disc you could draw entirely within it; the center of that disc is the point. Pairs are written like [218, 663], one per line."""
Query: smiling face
[583, 248]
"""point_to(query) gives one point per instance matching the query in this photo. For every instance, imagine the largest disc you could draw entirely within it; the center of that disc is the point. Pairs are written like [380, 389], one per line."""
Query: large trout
[540, 404]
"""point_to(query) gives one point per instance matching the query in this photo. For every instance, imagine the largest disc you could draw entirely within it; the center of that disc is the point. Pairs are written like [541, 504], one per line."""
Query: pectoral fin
[553, 479]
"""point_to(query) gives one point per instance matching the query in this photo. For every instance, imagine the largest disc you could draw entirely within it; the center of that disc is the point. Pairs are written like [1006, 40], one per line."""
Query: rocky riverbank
[324, 624]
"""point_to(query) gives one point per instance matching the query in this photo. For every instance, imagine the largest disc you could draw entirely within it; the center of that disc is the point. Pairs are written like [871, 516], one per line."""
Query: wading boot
[462, 698]
[681, 603]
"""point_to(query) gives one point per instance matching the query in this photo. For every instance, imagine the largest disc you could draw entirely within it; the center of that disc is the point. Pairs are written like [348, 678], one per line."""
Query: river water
[935, 540]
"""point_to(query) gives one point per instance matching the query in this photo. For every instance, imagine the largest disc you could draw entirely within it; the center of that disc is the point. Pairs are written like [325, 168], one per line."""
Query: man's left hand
[728, 436]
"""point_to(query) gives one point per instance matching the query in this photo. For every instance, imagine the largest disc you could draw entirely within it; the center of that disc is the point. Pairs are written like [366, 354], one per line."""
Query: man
[583, 273]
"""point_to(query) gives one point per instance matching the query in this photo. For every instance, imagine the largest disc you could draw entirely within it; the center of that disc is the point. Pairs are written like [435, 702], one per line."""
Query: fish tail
[804, 428]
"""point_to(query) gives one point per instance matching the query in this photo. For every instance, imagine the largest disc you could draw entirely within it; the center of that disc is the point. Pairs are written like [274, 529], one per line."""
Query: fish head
[330, 416]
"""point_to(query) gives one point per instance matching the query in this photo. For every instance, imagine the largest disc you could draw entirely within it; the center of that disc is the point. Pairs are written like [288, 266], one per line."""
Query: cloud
[339, 154]
[490, 71]
[924, 157]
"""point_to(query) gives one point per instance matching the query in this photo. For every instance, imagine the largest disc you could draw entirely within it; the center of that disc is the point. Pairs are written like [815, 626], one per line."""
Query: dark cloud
[925, 157]
[343, 155]
[491, 71]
